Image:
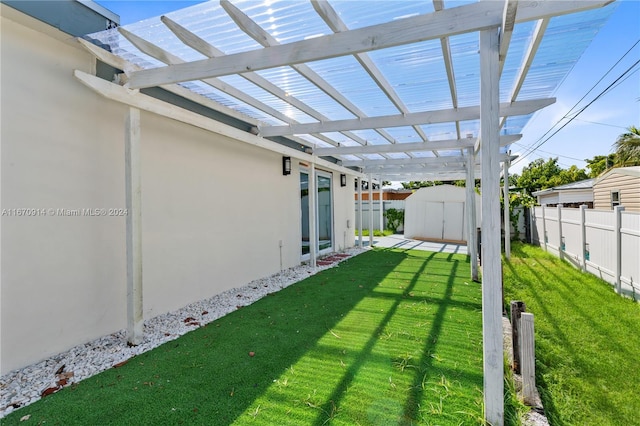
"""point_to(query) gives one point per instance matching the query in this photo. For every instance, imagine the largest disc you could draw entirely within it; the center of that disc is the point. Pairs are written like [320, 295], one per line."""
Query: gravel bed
[24, 386]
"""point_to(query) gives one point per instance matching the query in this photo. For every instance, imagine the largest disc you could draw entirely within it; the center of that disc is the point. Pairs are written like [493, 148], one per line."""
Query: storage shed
[437, 213]
[618, 187]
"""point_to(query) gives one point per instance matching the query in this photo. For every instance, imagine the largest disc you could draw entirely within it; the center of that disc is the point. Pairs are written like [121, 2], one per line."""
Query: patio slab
[398, 241]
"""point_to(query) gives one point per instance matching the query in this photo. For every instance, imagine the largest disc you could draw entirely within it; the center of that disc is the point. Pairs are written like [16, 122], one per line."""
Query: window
[615, 199]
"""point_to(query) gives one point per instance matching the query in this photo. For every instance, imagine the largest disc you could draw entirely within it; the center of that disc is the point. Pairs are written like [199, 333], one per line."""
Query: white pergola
[389, 91]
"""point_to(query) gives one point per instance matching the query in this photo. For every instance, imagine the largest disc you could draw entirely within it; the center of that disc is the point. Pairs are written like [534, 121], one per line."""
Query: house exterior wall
[628, 187]
[64, 277]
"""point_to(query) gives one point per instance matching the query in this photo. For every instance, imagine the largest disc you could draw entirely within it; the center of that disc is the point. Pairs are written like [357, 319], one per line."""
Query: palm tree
[628, 148]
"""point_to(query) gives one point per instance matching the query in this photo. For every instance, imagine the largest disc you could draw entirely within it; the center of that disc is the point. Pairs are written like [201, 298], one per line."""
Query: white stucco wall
[213, 209]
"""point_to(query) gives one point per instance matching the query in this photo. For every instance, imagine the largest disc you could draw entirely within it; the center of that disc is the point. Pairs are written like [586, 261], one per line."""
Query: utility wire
[533, 146]
[541, 142]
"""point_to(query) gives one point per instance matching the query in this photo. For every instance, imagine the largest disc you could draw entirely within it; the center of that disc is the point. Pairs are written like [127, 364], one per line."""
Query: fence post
[583, 236]
[517, 308]
[528, 358]
[560, 244]
[544, 227]
[617, 211]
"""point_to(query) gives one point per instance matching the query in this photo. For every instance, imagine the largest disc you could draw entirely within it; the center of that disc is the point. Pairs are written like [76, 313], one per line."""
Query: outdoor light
[343, 180]
[286, 166]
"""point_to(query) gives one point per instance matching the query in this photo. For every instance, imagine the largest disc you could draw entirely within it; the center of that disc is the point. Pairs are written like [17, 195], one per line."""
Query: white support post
[507, 219]
[370, 211]
[133, 194]
[583, 237]
[491, 259]
[472, 231]
[313, 213]
[527, 358]
[560, 245]
[617, 212]
[359, 212]
[381, 202]
[544, 227]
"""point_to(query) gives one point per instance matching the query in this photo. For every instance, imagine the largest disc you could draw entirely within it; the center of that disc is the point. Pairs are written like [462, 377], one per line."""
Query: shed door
[433, 220]
[453, 221]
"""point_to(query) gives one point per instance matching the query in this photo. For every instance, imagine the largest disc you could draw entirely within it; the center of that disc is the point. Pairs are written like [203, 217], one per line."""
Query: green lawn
[587, 340]
[388, 337]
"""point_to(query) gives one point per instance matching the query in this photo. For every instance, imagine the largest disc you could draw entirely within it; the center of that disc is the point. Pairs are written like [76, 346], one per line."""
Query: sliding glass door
[323, 213]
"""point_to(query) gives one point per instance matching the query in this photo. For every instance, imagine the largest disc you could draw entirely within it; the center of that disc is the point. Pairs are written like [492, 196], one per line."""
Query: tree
[600, 164]
[415, 184]
[628, 148]
[538, 175]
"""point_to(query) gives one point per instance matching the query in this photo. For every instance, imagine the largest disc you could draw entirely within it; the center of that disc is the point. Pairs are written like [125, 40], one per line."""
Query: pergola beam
[463, 19]
[444, 145]
[426, 117]
[506, 30]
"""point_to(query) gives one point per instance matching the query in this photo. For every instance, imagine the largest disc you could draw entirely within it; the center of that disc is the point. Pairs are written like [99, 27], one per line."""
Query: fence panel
[598, 251]
[387, 204]
[600, 244]
[630, 248]
[572, 236]
[551, 224]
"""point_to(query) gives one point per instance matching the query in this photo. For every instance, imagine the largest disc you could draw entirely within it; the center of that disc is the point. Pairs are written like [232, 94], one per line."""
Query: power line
[532, 148]
[541, 142]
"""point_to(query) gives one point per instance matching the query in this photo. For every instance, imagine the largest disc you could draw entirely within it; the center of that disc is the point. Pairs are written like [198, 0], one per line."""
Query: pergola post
[133, 195]
[491, 262]
[472, 233]
[313, 212]
[359, 181]
[381, 212]
[370, 210]
[507, 219]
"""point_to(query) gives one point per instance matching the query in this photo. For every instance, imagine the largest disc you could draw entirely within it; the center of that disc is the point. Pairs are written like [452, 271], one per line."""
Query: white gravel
[22, 387]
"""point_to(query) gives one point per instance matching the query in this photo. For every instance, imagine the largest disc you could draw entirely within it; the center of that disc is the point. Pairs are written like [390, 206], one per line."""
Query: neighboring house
[570, 195]
[64, 269]
[618, 187]
[437, 213]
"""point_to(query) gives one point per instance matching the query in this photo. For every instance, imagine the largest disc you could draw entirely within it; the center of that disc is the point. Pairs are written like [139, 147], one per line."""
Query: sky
[592, 132]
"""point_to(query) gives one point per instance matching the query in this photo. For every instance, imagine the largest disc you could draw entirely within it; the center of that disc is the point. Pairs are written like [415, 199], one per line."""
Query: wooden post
[507, 219]
[472, 234]
[560, 245]
[133, 194]
[313, 215]
[370, 210]
[617, 211]
[381, 212]
[528, 358]
[583, 237]
[493, 361]
[517, 308]
[359, 212]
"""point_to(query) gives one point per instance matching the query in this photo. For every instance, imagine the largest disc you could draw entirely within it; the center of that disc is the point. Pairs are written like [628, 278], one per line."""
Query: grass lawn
[388, 337]
[587, 340]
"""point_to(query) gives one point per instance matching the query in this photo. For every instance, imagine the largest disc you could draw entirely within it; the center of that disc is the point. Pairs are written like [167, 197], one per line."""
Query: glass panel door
[325, 213]
[304, 210]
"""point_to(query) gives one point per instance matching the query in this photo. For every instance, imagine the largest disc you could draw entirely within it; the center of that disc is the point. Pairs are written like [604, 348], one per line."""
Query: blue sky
[591, 133]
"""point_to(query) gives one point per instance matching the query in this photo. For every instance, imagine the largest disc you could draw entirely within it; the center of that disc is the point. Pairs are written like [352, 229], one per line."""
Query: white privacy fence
[387, 204]
[604, 243]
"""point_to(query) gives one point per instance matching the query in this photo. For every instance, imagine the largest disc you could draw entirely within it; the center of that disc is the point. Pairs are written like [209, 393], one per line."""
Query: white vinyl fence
[387, 204]
[604, 243]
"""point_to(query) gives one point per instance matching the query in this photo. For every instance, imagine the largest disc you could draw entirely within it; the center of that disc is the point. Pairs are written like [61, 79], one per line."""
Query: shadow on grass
[575, 320]
[208, 377]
